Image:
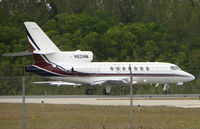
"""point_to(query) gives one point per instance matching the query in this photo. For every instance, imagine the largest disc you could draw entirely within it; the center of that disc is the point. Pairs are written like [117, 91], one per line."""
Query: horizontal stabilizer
[24, 53]
[40, 52]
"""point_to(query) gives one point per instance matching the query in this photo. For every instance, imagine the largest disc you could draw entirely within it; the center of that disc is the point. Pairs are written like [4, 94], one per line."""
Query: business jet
[76, 68]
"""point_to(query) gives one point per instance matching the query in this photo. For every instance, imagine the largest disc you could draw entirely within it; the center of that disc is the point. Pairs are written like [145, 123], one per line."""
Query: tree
[93, 42]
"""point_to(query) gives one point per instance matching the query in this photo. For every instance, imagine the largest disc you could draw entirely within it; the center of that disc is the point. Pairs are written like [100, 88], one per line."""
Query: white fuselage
[142, 72]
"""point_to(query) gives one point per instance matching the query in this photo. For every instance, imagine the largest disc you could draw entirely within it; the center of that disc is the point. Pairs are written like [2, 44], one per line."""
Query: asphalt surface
[176, 100]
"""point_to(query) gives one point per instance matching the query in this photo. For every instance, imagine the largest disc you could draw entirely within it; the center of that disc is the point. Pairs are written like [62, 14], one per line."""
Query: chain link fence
[67, 107]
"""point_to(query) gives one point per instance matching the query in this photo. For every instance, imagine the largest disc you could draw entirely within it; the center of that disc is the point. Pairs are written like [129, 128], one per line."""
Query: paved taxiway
[177, 100]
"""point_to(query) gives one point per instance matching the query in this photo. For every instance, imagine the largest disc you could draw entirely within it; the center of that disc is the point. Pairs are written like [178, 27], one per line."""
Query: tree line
[114, 30]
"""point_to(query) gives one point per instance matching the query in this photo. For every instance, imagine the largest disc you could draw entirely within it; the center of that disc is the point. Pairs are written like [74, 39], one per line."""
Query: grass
[48, 116]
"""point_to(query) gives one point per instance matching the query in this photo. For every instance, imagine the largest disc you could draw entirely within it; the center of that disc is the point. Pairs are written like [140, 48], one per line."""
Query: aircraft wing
[58, 83]
[111, 82]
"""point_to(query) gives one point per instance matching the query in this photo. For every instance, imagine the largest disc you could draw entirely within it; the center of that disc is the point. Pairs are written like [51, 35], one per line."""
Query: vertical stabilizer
[38, 39]
[41, 44]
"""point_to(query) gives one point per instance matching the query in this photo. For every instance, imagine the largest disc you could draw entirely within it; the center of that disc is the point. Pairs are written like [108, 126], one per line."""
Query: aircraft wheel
[89, 91]
[105, 93]
[166, 92]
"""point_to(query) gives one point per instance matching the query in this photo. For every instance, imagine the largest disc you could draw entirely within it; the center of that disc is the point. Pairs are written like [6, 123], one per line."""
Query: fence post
[199, 98]
[131, 98]
[24, 108]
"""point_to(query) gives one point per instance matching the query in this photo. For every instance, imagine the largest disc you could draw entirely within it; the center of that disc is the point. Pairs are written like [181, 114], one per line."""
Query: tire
[89, 91]
[105, 93]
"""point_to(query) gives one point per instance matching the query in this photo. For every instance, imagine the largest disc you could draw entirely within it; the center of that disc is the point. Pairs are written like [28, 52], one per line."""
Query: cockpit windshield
[175, 68]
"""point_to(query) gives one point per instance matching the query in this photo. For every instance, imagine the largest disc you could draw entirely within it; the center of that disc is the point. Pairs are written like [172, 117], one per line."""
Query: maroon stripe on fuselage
[39, 61]
[51, 69]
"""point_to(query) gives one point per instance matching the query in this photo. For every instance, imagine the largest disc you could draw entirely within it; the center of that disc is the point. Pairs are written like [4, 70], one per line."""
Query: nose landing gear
[105, 93]
[107, 90]
[166, 88]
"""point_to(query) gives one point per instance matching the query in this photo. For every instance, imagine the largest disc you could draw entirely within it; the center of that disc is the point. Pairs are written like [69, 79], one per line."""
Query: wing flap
[110, 82]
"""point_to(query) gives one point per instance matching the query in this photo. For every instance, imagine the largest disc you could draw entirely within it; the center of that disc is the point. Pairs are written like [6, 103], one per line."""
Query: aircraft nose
[190, 77]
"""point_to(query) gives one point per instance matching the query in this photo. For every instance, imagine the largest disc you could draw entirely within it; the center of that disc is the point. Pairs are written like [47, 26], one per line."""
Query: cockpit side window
[173, 68]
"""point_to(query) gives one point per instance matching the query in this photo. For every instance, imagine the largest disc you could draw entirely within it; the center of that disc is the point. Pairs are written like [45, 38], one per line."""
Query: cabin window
[141, 68]
[118, 68]
[111, 68]
[147, 68]
[135, 68]
[123, 68]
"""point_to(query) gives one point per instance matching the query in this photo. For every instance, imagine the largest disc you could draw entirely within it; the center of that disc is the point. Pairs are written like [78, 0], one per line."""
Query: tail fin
[41, 44]
[39, 40]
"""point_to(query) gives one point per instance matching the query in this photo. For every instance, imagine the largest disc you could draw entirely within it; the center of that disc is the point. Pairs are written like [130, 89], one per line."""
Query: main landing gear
[106, 91]
[89, 91]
